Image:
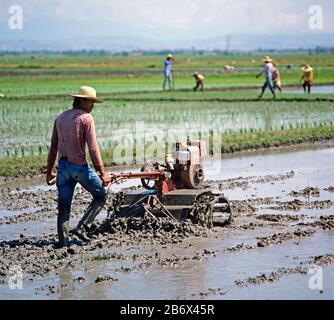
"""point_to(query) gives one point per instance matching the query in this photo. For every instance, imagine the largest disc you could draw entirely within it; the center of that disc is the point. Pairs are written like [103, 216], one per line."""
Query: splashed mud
[152, 250]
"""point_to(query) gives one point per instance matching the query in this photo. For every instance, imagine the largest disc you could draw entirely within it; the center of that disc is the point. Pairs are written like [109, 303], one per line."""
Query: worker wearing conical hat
[199, 81]
[267, 71]
[307, 78]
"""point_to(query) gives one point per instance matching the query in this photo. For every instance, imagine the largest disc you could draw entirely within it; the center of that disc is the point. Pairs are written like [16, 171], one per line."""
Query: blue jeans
[168, 79]
[269, 84]
[68, 175]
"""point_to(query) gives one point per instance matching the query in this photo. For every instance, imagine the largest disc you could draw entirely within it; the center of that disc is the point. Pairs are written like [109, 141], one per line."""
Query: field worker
[267, 71]
[307, 77]
[168, 65]
[199, 81]
[276, 78]
[72, 130]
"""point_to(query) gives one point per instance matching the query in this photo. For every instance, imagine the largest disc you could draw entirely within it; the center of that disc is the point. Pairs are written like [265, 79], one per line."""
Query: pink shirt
[72, 130]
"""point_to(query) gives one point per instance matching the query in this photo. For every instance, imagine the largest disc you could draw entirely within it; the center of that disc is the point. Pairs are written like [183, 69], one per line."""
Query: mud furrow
[275, 275]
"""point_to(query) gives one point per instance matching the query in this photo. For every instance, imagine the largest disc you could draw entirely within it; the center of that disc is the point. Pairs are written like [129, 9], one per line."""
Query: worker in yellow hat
[307, 78]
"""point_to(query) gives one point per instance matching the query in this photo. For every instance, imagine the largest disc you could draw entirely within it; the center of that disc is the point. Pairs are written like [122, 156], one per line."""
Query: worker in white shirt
[199, 81]
[267, 71]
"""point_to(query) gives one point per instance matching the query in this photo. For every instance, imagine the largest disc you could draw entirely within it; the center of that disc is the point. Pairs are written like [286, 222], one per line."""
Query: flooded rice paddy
[314, 89]
[281, 235]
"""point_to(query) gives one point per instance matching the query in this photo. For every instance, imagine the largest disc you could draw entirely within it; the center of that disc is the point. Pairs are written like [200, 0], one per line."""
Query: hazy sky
[164, 19]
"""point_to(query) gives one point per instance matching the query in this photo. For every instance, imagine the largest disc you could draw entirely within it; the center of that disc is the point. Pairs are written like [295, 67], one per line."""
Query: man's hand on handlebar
[106, 179]
[113, 177]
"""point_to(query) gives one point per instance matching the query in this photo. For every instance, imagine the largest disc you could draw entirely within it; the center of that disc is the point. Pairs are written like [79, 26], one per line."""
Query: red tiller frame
[166, 186]
[152, 175]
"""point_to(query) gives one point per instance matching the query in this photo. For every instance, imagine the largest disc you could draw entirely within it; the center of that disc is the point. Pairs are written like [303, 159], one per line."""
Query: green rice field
[137, 114]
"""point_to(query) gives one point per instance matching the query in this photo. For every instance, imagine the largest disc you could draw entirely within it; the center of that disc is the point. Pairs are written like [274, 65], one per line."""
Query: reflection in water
[314, 89]
[66, 285]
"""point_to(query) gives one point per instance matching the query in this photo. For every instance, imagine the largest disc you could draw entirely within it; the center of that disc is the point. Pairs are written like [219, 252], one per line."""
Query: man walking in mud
[72, 130]
[267, 71]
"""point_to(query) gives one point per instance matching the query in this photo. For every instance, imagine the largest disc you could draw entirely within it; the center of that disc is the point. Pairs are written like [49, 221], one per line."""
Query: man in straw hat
[168, 64]
[307, 77]
[72, 130]
[267, 71]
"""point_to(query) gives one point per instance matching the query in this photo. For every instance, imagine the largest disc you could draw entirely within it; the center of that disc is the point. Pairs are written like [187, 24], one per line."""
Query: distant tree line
[192, 51]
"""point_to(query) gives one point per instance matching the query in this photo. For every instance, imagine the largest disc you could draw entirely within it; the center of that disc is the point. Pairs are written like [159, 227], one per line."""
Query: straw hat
[267, 59]
[307, 68]
[169, 55]
[87, 93]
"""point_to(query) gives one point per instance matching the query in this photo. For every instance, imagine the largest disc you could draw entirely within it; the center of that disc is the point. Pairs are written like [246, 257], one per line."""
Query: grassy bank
[32, 165]
[62, 62]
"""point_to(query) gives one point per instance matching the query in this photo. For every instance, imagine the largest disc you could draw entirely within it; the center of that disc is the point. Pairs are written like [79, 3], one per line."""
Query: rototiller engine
[174, 190]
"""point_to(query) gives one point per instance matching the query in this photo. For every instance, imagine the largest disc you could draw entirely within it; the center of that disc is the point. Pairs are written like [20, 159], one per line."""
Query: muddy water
[309, 167]
[314, 89]
[256, 256]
